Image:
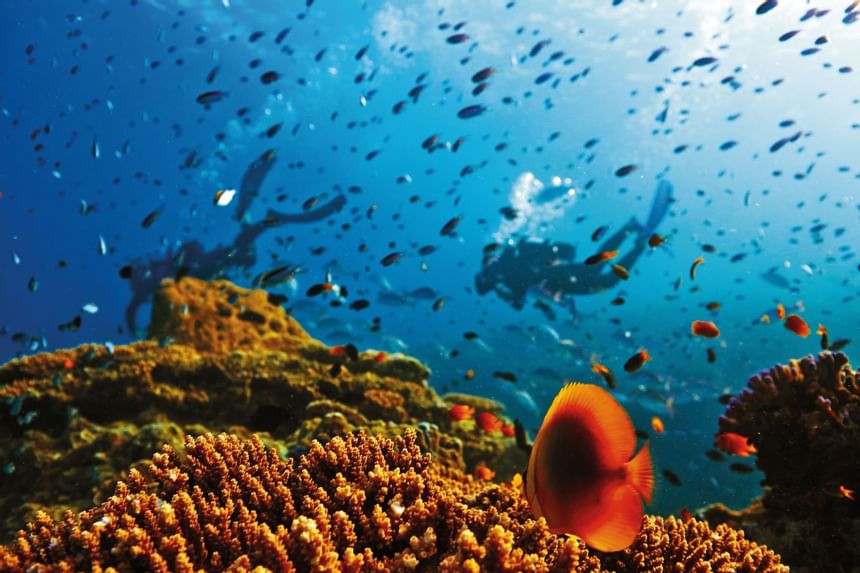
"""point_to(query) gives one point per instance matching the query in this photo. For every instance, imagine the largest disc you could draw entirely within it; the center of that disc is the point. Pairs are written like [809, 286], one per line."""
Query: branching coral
[804, 420]
[356, 504]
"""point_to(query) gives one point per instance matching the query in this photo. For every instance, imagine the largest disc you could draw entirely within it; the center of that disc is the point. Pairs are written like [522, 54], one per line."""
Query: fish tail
[640, 473]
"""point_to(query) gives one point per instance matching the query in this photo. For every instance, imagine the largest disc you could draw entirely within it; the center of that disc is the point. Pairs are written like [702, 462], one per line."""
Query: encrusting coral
[804, 420]
[76, 420]
[357, 503]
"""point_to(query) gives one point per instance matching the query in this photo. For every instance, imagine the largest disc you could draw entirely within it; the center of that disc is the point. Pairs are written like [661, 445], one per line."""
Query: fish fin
[640, 473]
[619, 531]
[605, 418]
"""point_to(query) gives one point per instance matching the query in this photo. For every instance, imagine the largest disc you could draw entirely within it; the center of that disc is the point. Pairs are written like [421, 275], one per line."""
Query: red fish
[696, 263]
[508, 430]
[735, 444]
[657, 425]
[484, 473]
[604, 371]
[601, 257]
[460, 412]
[705, 329]
[797, 325]
[582, 476]
[380, 357]
[488, 422]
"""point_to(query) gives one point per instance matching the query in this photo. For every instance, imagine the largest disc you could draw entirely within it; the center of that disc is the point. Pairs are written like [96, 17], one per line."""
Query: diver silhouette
[549, 267]
[192, 258]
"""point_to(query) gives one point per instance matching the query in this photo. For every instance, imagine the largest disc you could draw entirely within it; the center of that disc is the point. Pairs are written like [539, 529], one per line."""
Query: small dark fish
[457, 38]
[712, 356]
[208, 98]
[33, 284]
[505, 375]
[637, 361]
[390, 259]
[426, 250]
[277, 276]
[471, 111]
[470, 335]
[741, 468]
[598, 233]
[765, 7]
[150, 219]
[715, 455]
[430, 142]
[724, 399]
[270, 77]
[125, 272]
[509, 213]
[536, 49]
[789, 35]
[72, 325]
[360, 53]
[483, 75]
[657, 53]
[449, 227]
[438, 304]
[310, 203]
[319, 288]
[704, 61]
[359, 304]
[839, 344]
[335, 369]
[672, 477]
[625, 170]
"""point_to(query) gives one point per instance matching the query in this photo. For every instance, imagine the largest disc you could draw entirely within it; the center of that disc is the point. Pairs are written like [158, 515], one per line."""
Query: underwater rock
[357, 503]
[804, 420]
[76, 420]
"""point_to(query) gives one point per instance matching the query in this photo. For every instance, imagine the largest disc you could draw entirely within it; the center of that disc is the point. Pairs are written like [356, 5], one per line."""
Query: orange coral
[356, 504]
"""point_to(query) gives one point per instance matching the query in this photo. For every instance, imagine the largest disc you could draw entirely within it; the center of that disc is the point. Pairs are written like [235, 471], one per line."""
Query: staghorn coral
[670, 544]
[356, 504]
[76, 420]
[804, 419]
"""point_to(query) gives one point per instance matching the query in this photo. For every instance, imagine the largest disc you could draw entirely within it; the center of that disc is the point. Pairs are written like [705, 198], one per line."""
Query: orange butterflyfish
[460, 412]
[705, 329]
[582, 476]
[696, 263]
[780, 311]
[846, 493]
[488, 422]
[657, 425]
[735, 444]
[797, 325]
[637, 361]
[601, 257]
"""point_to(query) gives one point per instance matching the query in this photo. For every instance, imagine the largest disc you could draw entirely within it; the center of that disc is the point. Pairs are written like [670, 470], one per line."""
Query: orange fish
[637, 361]
[620, 272]
[846, 493]
[380, 357]
[469, 374]
[705, 329]
[797, 325]
[655, 241]
[508, 430]
[657, 425]
[735, 444]
[604, 371]
[483, 473]
[68, 363]
[460, 412]
[582, 476]
[695, 264]
[601, 257]
[765, 319]
[488, 422]
[780, 311]
[713, 305]
[685, 515]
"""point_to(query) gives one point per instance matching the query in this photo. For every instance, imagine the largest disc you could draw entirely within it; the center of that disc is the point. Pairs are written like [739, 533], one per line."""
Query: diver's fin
[659, 206]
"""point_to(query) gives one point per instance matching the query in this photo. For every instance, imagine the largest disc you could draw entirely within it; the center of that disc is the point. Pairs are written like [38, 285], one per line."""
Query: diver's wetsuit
[549, 267]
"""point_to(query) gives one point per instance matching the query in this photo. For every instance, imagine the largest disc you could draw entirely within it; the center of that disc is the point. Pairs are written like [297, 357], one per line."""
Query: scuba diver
[550, 267]
[192, 258]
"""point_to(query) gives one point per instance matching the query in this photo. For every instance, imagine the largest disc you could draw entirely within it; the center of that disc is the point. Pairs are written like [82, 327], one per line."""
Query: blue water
[139, 67]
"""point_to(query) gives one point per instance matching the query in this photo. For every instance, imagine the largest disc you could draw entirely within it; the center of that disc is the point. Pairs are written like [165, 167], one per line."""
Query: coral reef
[356, 504]
[76, 420]
[804, 419]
